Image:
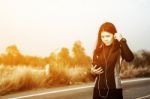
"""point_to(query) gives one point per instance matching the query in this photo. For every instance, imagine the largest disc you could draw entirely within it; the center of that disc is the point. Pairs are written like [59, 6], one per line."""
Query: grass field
[19, 72]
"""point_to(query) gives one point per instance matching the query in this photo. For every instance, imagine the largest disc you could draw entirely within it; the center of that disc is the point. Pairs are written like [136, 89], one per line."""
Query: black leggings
[113, 94]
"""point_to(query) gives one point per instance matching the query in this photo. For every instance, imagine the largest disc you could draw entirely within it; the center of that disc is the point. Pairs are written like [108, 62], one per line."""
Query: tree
[12, 56]
[64, 57]
[79, 55]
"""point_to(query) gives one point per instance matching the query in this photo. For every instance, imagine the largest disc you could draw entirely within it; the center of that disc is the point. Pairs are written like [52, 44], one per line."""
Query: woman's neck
[108, 46]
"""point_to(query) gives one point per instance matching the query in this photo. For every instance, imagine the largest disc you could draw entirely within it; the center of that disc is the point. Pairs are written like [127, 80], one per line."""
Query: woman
[110, 50]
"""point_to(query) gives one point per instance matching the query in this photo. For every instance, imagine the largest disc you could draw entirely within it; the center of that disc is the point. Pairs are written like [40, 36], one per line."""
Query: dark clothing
[113, 94]
[108, 57]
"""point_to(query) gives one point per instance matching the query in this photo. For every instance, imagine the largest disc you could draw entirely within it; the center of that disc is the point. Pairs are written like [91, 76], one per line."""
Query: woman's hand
[96, 71]
[118, 36]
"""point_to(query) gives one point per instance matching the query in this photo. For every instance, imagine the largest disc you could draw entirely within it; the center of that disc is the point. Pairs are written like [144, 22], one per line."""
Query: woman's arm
[94, 70]
[126, 53]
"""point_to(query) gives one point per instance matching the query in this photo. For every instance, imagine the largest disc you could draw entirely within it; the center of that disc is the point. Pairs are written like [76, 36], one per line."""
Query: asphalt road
[132, 89]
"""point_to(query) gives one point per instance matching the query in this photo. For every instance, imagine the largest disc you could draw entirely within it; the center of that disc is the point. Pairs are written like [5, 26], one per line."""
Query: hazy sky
[39, 27]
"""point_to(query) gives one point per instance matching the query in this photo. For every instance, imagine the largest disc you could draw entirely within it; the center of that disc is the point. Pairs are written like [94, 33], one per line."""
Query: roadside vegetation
[19, 72]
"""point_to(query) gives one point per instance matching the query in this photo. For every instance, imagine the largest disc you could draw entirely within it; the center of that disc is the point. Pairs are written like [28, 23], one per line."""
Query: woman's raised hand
[96, 71]
[118, 36]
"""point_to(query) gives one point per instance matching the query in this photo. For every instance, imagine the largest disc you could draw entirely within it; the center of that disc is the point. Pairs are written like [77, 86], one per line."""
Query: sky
[39, 27]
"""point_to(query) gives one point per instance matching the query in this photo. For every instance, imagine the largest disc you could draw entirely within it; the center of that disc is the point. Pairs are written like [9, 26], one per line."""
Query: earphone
[106, 61]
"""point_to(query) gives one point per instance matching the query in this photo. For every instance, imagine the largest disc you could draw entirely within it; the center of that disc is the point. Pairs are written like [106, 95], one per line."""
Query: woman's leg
[103, 92]
[115, 94]
[96, 94]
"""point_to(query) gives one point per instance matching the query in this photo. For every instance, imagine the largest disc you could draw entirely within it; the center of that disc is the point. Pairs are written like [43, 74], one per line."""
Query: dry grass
[134, 72]
[139, 67]
[61, 70]
[20, 78]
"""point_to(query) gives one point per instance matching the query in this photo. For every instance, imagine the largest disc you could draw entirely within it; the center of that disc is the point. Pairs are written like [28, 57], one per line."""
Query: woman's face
[107, 38]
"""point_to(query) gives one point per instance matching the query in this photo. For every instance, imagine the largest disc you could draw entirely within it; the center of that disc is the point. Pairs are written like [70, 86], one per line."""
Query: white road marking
[57, 91]
[71, 89]
[143, 97]
[135, 80]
